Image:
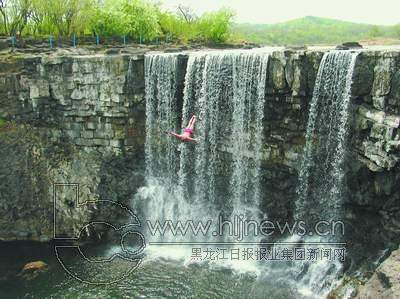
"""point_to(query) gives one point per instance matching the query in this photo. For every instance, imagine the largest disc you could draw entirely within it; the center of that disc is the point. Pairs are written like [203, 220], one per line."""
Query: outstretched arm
[193, 140]
[174, 134]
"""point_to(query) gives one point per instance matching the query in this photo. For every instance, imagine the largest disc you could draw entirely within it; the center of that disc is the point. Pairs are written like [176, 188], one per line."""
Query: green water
[154, 278]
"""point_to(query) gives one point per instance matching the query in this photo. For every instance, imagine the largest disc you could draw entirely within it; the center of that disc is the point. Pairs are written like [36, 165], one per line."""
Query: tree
[141, 18]
[187, 13]
[15, 15]
[215, 26]
[136, 18]
[109, 23]
[397, 30]
[176, 27]
[63, 17]
[375, 31]
[3, 8]
[21, 12]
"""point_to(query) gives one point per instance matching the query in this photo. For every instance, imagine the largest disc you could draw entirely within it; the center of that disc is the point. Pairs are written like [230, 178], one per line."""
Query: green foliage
[311, 30]
[215, 26]
[374, 32]
[15, 15]
[138, 19]
[142, 19]
[210, 27]
[135, 18]
[59, 17]
[109, 23]
[396, 30]
[175, 27]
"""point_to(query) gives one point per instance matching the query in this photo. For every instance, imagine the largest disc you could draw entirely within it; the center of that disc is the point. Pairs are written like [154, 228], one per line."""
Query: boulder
[349, 45]
[33, 269]
[34, 266]
[385, 282]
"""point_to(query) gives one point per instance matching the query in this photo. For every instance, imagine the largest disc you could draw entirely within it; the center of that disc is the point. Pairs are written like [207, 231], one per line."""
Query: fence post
[74, 40]
[51, 42]
[124, 40]
[97, 39]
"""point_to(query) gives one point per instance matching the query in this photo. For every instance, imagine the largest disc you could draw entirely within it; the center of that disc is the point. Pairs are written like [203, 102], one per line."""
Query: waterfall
[161, 116]
[220, 174]
[226, 90]
[161, 154]
[321, 178]
[321, 187]
[249, 96]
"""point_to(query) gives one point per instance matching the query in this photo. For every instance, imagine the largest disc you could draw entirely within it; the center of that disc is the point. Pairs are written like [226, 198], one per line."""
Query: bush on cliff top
[137, 19]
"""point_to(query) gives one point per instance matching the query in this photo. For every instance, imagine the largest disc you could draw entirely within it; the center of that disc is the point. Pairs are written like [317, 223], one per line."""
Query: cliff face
[80, 120]
[67, 120]
[385, 282]
[374, 144]
[372, 169]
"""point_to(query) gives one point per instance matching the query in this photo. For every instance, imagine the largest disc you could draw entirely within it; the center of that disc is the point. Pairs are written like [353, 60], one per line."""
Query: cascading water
[227, 91]
[160, 196]
[249, 97]
[161, 115]
[220, 174]
[321, 187]
[321, 175]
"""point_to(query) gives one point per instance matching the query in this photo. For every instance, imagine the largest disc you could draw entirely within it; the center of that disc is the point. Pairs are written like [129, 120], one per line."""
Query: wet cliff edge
[73, 128]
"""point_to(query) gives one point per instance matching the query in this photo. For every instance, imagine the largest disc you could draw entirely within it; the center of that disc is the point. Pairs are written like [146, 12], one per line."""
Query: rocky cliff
[372, 169]
[68, 120]
[385, 282]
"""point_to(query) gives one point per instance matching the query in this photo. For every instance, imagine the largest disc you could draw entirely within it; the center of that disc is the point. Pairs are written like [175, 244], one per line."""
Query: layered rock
[372, 164]
[291, 77]
[385, 282]
[68, 120]
[80, 119]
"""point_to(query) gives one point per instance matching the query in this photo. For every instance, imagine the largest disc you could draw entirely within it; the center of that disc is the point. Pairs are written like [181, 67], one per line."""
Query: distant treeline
[141, 20]
[313, 30]
[145, 21]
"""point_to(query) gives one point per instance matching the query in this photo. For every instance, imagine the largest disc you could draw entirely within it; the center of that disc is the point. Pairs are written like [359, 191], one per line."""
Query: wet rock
[172, 50]
[382, 82]
[394, 96]
[112, 51]
[349, 45]
[296, 48]
[33, 266]
[278, 74]
[363, 77]
[33, 269]
[385, 282]
[347, 289]
[63, 133]
[88, 117]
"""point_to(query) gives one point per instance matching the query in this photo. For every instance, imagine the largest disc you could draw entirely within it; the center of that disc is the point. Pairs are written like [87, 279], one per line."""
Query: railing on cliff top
[75, 41]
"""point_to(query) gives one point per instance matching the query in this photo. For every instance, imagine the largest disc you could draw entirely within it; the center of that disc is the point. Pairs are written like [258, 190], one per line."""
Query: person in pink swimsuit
[186, 136]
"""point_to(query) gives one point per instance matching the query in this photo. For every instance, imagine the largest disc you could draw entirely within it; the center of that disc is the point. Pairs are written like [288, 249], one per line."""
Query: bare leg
[192, 122]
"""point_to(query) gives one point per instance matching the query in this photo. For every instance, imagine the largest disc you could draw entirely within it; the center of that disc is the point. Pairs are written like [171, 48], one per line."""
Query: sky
[381, 12]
